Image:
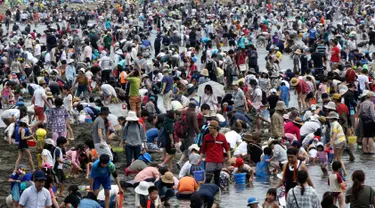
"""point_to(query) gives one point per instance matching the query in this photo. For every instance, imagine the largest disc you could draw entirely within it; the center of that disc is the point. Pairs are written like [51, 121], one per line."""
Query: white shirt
[10, 113]
[114, 191]
[309, 127]
[113, 119]
[233, 138]
[362, 79]
[38, 95]
[176, 105]
[87, 51]
[49, 159]
[68, 102]
[241, 149]
[31, 198]
[37, 50]
[184, 169]
[108, 90]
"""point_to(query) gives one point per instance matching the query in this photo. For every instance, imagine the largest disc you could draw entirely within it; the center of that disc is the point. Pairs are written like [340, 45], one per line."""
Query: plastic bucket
[117, 149]
[352, 139]
[31, 143]
[199, 175]
[240, 178]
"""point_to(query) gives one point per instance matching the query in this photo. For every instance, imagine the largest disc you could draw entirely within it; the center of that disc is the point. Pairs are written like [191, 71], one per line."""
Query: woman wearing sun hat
[337, 135]
[165, 186]
[302, 89]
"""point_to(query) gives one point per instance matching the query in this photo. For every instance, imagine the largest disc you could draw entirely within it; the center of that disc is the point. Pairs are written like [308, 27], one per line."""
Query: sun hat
[248, 138]
[42, 81]
[142, 188]
[286, 116]
[294, 82]
[49, 141]
[82, 70]
[252, 200]
[343, 90]
[239, 162]
[194, 147]
[104, 110]
[22, 168]
[331, 105]
[298, 51]
[313, 107]
[70, 61]
[204, 72]
[39, 175]
[168, 177]
[336, 96]
[132, 116]
[280, 105]
[234, 83]
[298, 121]
[319, 144]
[364, 93]
[147, 157]
[333, 115]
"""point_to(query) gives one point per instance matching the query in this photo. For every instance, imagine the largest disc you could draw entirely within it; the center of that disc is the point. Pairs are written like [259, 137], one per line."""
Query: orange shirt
[187, 184]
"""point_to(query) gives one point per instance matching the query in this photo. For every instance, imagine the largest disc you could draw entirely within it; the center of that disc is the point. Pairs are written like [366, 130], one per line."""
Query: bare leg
[18, 161]
[371, 145]
[30, 158]
[364, 145]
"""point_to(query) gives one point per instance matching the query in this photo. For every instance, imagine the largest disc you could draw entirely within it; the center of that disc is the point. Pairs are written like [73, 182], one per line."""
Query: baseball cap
[239, 162]
[39, 176]
[214, 124]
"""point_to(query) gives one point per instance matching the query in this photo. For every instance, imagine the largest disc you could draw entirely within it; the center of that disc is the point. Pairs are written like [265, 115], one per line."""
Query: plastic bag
[262, 168]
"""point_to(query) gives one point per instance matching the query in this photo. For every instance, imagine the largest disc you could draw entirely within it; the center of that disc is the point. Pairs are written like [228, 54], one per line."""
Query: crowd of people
[191, 86]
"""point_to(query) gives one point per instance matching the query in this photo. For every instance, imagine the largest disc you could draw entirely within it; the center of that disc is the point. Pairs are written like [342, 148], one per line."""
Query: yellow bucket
[117, 149]
[352, 139]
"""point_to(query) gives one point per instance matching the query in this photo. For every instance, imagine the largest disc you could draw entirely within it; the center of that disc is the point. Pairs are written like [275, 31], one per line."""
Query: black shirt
[73, 199]
[272, 100]
[371, 36]
[317, 59]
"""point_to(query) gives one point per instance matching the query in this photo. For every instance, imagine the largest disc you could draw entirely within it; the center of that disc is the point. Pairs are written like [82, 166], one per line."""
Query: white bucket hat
[142, 188]
[331, 105]
[132, 116]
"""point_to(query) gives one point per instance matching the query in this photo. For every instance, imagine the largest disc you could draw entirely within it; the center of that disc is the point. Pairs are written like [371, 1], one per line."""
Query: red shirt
[342, 108]
[302, 87]
[213, 148]
[291, 128]
[335, 57]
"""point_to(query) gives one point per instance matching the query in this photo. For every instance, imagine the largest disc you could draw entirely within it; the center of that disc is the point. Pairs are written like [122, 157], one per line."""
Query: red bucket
[31, 143]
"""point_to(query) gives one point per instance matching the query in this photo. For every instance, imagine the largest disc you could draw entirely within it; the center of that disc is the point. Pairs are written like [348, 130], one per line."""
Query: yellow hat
[336, 96]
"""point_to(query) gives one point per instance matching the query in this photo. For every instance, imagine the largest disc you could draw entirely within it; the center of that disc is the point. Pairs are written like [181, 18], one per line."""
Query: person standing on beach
[213, 147]
[99, 134]
[39, 100]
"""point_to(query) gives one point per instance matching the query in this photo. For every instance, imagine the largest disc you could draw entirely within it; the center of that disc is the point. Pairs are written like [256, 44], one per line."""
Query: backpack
[181, 126]
[199, 138]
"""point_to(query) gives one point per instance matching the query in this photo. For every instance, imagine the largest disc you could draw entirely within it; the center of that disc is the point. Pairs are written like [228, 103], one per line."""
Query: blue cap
[39, 175]
[146, 156]
[20, 103]
[252, 200]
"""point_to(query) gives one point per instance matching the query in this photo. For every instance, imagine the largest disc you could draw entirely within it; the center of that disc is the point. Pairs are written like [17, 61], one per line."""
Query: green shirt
[107, 40]
[135, 83]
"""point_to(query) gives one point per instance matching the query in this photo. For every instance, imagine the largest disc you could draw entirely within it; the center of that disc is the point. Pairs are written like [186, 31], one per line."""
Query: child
[5, 95]
[284, 93]
[73, 199]
[15, 180]
[322, 155]
[271, 199]
[337, 184]
[153, 198]
[241, 167]
[313, 153]
[59, 162]
[22, 135]
[252, 202]
[41, 134]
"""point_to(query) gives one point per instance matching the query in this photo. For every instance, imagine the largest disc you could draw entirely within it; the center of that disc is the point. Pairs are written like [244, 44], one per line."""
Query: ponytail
[358, 177]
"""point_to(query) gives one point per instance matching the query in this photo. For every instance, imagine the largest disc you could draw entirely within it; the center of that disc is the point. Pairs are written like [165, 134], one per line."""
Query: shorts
[170, 150]
[59, 176]
[104, 181]
[39, 112]
[212, 167]
[112, 202]
[335, 194]
[135, 103]
[340, 145]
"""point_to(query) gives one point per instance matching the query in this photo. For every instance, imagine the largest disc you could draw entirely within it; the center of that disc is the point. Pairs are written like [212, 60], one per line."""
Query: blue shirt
[169, 83]
[89, 203]
[284, 91]
[239, 116]
[151, 134]
[98, 172]
[70, 73]
[14, 176]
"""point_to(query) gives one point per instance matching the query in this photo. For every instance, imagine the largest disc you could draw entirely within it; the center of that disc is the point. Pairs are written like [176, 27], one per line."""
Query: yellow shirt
[279, 55]
[40, 134]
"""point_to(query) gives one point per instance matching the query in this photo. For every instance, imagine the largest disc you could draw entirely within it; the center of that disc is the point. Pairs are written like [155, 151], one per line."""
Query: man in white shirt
[363, 81]
[37, 49]
[39, 100]
[108, 92]
[36, 196]
[233, 138]
[87, 52]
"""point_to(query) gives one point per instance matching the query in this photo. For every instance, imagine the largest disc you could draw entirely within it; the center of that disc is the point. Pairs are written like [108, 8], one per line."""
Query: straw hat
[204, 72]
[248, 138]
[298, 51]
[294, 82]
[167, 177]
[76, 99]
[331, 105]
[132, 116]
[280, 105]
[142, 188]
[333, 115]
[298, 121]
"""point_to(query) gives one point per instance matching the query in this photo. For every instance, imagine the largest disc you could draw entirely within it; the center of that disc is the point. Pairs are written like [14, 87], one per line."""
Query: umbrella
[217, 89]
